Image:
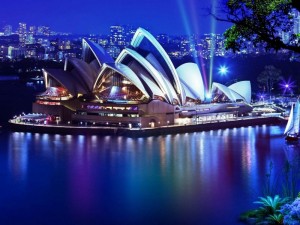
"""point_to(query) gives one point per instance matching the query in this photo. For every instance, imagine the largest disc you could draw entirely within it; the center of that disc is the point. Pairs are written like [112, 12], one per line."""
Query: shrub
[267, 213]
[291, 212]
[269, 205]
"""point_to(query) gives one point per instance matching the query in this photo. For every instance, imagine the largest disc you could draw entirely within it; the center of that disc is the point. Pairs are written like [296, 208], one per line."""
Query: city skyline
[173, 17]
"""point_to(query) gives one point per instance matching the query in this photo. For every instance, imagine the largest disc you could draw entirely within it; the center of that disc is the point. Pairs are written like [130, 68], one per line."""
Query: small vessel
[292, 128]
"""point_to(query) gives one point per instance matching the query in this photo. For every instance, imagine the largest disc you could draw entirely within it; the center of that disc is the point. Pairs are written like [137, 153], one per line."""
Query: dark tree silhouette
[261, 22]
[268, 77]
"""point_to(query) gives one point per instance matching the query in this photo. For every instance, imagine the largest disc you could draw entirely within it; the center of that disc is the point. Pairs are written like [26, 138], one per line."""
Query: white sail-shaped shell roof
[99, 53]
[243, 88]
[232, 94]
[223, 89]
[159, 79]
[65, 79]
[136, 41]
[155, 90]
[147, 66]
[82, 71]
[126, 72]
[191, 77]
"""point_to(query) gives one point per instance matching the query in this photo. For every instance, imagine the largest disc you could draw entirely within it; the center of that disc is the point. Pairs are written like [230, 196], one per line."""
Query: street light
[287, 86]
[261, 97]
[223, 70]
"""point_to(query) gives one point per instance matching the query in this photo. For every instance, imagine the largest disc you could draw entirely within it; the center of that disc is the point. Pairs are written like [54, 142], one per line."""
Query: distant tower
[210, 42]
[32, 30]
[43, 31]
[286, 36]
[129, 33]
[220, 45]
[296, 19]
[117, 35]
[7, 30]
[22, 31]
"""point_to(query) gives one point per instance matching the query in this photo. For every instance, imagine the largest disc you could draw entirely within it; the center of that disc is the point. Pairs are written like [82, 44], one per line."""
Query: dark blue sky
[95, 16]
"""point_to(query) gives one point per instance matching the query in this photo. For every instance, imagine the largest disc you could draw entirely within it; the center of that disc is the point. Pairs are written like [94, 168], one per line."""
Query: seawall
[136, 132]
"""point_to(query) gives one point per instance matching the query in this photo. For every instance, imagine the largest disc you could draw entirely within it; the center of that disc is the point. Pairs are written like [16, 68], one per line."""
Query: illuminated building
[141, 88]
[15, 52]
[43, 31]
[117, 35]
[240, 91]
[3, 52]
[22, 31]
[7, 30]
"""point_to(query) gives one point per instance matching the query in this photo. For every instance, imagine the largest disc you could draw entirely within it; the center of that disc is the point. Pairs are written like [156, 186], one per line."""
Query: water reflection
[166, 178]
[18, 154]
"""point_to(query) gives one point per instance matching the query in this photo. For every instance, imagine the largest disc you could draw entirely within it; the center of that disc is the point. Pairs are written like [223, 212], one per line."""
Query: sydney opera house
[140, 88]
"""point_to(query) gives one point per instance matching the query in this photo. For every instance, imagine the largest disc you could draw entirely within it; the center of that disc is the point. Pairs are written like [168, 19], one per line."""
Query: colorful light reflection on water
[198, 178]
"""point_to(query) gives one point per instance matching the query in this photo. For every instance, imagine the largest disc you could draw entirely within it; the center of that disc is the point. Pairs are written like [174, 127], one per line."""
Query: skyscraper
[43, 30]
[32, 30]
[22, 31]
[117, 35]
[7, 30]
[287, 36]
[296, 18]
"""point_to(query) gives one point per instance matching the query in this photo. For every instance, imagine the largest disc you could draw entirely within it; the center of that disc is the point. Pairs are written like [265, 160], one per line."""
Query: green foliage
[261, 22]
[290, 179]
[275, 219]
[268, 212]
[269, 77]
[269, 205]
[278, 210]
[249, 214]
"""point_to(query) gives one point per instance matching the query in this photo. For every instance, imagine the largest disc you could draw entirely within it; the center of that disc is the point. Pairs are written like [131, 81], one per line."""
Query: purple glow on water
[197, 178]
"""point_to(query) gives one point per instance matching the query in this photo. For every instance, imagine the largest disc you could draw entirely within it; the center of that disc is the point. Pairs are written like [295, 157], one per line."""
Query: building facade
[141, 88]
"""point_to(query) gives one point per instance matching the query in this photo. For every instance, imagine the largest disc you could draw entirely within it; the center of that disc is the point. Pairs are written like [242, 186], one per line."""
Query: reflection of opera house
[140, 88]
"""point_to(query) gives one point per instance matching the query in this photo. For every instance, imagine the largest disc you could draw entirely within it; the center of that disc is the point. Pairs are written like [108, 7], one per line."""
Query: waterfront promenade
[139, 132]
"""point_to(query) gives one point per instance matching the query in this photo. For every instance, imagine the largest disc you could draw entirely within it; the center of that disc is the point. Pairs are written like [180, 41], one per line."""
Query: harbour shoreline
[142, 132]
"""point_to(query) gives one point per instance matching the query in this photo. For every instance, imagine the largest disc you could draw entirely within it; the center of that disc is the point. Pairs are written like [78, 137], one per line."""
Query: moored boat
[292, 128]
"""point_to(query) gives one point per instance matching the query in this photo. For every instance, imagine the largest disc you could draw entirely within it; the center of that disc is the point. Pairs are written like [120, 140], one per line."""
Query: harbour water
[193, 178]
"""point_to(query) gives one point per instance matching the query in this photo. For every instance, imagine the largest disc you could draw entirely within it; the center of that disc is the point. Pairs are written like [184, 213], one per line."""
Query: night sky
[95, 16]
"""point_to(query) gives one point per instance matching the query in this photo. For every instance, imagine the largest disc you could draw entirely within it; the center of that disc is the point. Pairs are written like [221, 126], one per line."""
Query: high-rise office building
[296, 20]
[286, 36]
[7, 30]
[43, 31]
[32, 30]
[30, 39]
[117, 35]
[22, 31]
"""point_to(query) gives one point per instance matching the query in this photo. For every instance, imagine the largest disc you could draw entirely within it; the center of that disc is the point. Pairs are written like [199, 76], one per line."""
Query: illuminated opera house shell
[237, 92]
[141, 73]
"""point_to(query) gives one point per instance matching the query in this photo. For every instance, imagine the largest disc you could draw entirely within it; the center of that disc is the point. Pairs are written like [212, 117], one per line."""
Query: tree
[261, 22]
[269, 77]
